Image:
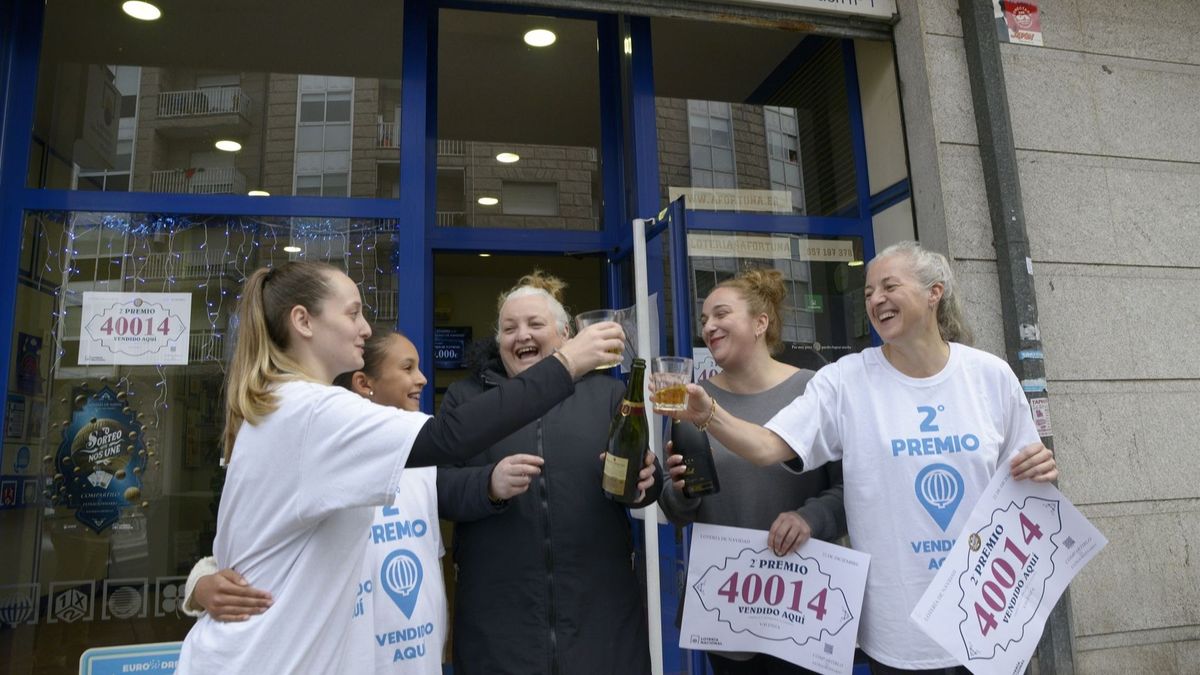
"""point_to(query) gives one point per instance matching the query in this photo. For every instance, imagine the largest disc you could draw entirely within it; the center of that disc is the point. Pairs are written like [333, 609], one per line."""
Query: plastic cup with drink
[669, 377]
[586, 319]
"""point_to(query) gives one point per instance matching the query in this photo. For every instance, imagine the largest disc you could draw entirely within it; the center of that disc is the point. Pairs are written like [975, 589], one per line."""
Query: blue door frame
[630, 178]
[629, 152]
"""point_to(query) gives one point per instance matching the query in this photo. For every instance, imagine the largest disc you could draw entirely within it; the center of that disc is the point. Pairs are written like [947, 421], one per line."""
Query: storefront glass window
[308, 107]
[123, 328]
[752, 120]
[518, 125]
[823, 315]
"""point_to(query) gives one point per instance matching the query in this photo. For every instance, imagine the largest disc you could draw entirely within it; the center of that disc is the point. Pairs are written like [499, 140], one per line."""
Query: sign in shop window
[135, 329]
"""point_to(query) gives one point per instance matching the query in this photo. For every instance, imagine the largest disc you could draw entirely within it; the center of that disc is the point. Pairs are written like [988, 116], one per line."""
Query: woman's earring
[371, 393]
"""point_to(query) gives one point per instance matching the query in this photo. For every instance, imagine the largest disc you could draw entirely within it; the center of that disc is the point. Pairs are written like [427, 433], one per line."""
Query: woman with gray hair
[545, 581]
[923, 408]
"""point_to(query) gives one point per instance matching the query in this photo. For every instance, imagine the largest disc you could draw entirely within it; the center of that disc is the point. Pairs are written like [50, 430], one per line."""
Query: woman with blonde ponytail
[924, 408]
[306, 461]
[741, 325]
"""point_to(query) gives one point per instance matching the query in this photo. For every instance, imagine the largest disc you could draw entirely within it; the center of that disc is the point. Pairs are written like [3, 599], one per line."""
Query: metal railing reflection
[185, 265]
[203, 101]
[199, 181]
[206, 345]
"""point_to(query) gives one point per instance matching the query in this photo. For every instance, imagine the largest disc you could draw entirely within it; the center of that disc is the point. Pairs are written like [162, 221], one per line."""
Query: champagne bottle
[701, 477]
[628, 440]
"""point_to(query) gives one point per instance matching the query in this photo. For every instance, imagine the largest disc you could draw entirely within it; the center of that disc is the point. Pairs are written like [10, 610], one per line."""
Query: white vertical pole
[644, 349]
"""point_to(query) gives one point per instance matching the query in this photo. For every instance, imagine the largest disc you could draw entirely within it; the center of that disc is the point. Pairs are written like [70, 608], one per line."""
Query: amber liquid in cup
[673, 397]
[668, 382]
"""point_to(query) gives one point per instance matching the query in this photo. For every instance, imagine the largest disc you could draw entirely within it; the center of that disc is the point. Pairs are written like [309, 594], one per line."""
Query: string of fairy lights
[206, 256]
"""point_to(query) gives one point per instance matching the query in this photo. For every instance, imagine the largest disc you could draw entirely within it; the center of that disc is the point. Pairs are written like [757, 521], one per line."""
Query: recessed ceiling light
[259, 193]
[855, 263]
[228, 145]
[485, 255]
[291, 249]
[141, 10]
[489, 201]
[508, 157]
[540, 37]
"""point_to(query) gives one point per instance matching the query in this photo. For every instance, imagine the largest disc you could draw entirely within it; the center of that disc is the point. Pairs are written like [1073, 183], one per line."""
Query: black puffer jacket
[545, 582]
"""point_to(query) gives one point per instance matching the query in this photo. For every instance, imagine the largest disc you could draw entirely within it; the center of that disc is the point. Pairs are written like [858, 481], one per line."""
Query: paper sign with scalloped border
[803, 607]
[135, 329]
[1022, 545]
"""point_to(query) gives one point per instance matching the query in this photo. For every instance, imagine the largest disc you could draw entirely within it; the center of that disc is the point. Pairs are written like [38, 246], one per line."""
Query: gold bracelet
[711, 411]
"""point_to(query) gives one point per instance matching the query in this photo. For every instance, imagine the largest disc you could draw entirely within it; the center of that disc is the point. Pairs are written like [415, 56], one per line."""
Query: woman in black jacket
[545, 574]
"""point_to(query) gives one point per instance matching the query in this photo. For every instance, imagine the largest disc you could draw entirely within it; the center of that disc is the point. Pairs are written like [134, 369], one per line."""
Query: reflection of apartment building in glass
[311, 135]
[180, 116]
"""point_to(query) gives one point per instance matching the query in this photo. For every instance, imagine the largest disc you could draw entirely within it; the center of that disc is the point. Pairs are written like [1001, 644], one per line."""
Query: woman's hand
[788, 531]
[675, 467]
[1035, 461]
[599, 344]
[226, 596]
[646, 476]
[699, 406]
[513, 475]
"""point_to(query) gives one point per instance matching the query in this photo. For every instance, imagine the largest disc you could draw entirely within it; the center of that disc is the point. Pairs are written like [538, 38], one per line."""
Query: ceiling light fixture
[485, 255]
[143, 11]
[259, 193]
[540, 37]
[489, 201]
[508, 157]
[291, 249]
[228, 145]
[855, 263]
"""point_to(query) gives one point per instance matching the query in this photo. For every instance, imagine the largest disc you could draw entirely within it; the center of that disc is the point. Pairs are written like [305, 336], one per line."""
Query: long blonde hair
[260, 360]
[763, 290]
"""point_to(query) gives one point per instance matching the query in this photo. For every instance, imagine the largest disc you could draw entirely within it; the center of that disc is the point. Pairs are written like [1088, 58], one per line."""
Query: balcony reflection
[204, 101]
[199, 181]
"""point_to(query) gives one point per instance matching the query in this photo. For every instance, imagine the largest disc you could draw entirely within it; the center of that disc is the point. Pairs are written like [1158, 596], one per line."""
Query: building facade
[427, 150]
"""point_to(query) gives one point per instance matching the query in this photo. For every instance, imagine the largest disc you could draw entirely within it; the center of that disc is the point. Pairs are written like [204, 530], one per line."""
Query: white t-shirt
[291, 521]
[399, 611]
[916, 454]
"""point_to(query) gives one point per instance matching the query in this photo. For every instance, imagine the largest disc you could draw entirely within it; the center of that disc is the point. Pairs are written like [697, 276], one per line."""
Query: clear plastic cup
[669, 377]
[585, 319]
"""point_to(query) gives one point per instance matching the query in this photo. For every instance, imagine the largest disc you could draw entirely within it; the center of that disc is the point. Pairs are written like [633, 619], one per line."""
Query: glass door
[823, 274]
[823, 319]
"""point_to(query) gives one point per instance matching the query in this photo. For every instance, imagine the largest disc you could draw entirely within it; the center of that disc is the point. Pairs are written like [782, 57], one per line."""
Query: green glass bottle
[628, 440]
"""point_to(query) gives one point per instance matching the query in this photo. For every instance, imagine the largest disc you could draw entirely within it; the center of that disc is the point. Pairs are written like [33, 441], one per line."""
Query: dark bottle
[700, 479]
[628, 440]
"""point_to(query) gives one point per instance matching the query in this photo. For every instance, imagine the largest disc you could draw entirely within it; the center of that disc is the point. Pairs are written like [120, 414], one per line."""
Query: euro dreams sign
[158, 658]
[989, 602]
[135, 329]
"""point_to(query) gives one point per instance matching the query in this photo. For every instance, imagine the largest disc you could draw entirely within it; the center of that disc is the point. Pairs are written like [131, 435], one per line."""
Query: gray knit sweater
[753, 496]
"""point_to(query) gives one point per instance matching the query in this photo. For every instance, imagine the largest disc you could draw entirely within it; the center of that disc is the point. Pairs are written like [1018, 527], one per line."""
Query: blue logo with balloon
[940, 490]
[401, 577]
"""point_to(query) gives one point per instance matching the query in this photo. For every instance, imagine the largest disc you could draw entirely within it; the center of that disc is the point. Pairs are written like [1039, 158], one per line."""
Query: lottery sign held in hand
[774, 598]
[802, 607]
[1022, 545]
[1009, 564]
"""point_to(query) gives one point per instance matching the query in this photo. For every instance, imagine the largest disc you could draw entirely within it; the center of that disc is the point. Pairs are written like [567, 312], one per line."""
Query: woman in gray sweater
[741, 327]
